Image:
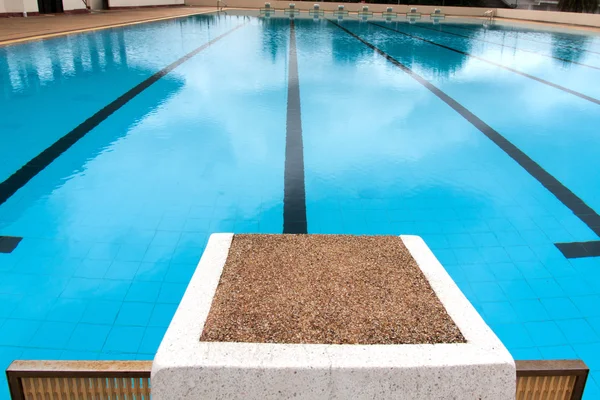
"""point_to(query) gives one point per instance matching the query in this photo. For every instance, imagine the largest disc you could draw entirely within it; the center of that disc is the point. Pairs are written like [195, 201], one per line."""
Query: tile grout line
[294, 197]
[569, 199]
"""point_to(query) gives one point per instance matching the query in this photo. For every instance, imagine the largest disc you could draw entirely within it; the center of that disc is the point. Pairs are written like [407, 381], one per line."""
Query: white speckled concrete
[185, 368]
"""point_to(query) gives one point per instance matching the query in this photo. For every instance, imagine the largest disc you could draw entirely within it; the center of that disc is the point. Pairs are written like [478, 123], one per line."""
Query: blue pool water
[114, 223]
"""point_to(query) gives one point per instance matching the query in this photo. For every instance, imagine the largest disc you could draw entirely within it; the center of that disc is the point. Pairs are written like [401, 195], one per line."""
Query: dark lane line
[9, 243]
[294, 192]
[554, 85]
[584, 212]
[566, 46]
[507, 46]
[37, 164]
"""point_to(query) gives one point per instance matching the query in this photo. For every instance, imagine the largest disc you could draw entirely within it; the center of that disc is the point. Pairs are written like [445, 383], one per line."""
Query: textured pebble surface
[329, 289]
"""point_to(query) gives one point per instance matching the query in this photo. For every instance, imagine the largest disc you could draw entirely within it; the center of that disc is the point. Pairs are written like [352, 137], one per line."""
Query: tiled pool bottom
[113, 227]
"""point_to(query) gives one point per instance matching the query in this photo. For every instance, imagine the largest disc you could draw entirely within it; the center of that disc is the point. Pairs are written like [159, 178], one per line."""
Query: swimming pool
[121, 150]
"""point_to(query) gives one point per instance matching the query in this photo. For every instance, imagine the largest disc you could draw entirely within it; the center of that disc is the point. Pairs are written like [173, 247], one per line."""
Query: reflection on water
[574, 52]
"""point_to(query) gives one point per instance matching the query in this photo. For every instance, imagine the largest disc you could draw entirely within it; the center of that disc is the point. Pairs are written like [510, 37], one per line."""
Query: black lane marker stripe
[580, 249]
[507, 46]
[8, 243]
[294, 195]
[554, 85]
[584, 212]
[34, 166]
[566, 46]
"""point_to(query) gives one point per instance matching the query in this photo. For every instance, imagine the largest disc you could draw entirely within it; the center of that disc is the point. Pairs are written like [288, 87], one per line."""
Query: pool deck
[19, 29]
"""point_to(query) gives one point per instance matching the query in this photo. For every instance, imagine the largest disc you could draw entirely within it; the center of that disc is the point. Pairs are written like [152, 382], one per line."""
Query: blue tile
[530, 310]
[533, 270]
[458, 240]
[159, 253]
[509, 238]
[513, 335]
[560, 308]
[53, 335]
[171, 292]
[587, 305]
[18, 332]
[445, 256]
[101, 312]
[505, 271]
[141, 291]
[81, 288]
[172, 224]
[8, 355]
[67, 310]
[545, 333]
[88, 337]
[558, 353]
[499, 313]
[494, 254]
[485, 239]
[575, 286]
[594, 323]
[477, 273]
[78, 355]
[124, 339]
[152, 272]
[131, 253]
[560, 268]
[578, 331]
[528, 353]
[533, 237]
[545, 288]
[109, 289]
[41, 354]
[135, 314]
[103, 251]
[187, 254]
[92, 268]
[589, 353]
[517, 289]
[180, 273]
[151, 341]
[488, 291]
[468, 256]
[162, 315]
[33, 307]
[122, 270]
[9, 302]
[520, 253]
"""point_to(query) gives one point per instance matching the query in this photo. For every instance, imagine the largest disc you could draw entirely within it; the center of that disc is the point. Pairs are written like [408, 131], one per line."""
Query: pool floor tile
[101, 312]
[564, 352]
[530, 310]
[67, 310]
[88, 337]
[488, 291]
[545, 333]
[124, 339]
[18, 332]
[513, 336]
[134, 314]
[151, 340]
[53, 335]
[560, 308]
[162, 315]
[578, 331]
[141, 291]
